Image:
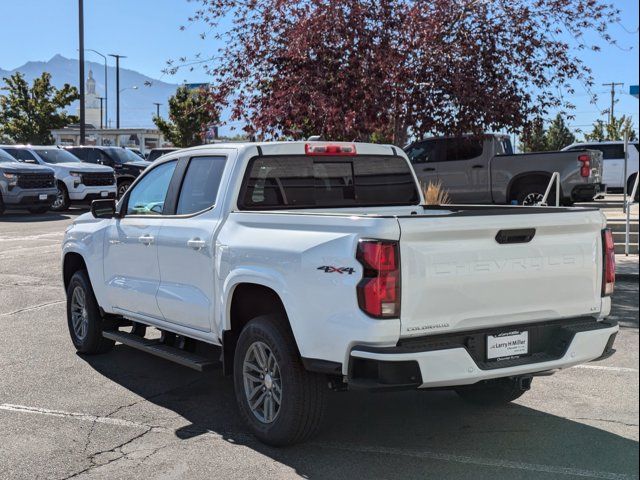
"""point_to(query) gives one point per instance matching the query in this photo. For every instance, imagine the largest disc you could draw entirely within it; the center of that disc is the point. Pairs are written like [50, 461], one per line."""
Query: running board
[154, 347]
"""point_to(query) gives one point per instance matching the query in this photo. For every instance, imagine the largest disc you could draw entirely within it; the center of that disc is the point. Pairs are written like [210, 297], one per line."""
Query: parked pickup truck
[304, 267]
[76, 182]
[485, 170]
[613, 157]
[25, 186]
[126, 164]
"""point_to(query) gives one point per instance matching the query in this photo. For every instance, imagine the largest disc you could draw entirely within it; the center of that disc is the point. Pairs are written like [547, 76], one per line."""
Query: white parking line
[427, 455]
[31, 237]
[609, 369]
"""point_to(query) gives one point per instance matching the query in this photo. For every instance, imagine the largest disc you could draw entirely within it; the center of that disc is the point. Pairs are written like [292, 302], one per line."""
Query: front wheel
[83, 317]
[281, 402]
[495, 392]
[61, 202]
[123, 186]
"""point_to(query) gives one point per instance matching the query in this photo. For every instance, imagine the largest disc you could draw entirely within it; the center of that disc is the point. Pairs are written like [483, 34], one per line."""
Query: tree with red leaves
[383, 70]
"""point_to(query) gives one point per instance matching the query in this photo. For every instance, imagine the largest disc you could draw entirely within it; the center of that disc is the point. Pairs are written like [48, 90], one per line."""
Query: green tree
[559, 136]
[28, 114]
[613, 131]
[534, 137]
[190, 112]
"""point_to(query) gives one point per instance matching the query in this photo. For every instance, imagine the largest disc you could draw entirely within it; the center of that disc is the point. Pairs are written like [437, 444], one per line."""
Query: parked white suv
[613, 163]
[76, 181]
[308, 266]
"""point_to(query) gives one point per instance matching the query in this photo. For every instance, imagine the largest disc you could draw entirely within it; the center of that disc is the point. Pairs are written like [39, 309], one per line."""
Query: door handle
[478, 166]
[196, 243]
[146, 239]
[428, 169]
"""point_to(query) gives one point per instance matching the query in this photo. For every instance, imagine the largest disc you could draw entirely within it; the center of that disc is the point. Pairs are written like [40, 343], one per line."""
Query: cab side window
[200, 185]
[424, 152]
[21, 154]
[148, 196]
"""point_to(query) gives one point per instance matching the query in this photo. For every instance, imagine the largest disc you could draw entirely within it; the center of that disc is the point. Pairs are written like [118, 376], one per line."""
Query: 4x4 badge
[340, 270]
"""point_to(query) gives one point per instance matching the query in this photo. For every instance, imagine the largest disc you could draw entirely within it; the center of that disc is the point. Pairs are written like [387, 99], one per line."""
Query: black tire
[39, 210]
[92, 341]
[302, 393]
[494, 392]
[530, 193]
[123, 186]
[1, 205]
[62, 199]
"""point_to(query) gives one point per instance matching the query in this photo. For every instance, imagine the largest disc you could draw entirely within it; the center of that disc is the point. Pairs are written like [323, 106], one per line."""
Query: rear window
[273, 182]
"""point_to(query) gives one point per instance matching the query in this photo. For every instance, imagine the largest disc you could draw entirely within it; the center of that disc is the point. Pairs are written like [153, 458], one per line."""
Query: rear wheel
[495, 392]
[533, 193]
[281, 402]
[83, 317]
[62, 198]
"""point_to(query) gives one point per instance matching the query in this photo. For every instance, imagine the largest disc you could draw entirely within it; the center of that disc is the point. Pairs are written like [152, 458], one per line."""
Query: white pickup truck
[305, 267]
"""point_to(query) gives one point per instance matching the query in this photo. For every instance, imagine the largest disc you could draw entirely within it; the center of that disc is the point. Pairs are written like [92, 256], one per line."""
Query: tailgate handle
[521, 235]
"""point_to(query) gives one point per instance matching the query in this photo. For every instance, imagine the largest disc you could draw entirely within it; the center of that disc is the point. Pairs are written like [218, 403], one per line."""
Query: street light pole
[81, 68]
[157, 109]
[101, 99]
[106, 89]
[117, 57]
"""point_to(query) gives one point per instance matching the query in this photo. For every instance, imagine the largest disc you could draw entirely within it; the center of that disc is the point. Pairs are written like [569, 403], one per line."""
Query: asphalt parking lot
[129, 415]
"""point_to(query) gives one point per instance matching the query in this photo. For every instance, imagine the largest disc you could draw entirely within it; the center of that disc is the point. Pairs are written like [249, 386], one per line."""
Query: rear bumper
[458, 359]
[585, 193]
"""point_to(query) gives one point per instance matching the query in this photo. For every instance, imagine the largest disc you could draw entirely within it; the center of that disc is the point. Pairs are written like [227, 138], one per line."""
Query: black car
[124, 162]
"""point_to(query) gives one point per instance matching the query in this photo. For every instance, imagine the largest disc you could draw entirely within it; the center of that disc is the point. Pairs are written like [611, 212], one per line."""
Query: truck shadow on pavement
[385, 435]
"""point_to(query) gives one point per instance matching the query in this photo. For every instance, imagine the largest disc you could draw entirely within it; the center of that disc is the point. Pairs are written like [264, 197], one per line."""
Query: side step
[154, 347]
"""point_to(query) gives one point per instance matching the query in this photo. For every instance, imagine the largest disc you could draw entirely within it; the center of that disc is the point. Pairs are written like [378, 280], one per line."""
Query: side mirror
[103, 208]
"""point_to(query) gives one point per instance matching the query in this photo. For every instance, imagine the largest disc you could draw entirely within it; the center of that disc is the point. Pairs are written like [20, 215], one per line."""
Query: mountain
[136, 106]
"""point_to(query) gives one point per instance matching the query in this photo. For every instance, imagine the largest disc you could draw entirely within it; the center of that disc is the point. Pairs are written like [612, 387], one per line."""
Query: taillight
[319, 149]
[608, 263]
[585, 165]
[379, 289]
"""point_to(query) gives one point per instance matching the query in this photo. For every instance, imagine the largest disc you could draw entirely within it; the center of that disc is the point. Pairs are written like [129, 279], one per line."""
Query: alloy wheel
[262, 382]
[59, 201]
[533, 199]
[79, 313]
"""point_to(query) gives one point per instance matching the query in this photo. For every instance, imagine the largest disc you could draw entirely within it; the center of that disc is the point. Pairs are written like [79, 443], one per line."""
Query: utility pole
[117, 57]
[157, 109]
[101, 100]
[81, 68]
[613, 86]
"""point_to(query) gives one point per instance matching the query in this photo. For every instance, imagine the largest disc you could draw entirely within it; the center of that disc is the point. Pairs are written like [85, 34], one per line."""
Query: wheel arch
[71, 263]
[248, 299]
[524, 178]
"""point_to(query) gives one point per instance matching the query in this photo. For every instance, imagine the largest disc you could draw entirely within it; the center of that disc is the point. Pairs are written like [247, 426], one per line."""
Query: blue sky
[147, 31]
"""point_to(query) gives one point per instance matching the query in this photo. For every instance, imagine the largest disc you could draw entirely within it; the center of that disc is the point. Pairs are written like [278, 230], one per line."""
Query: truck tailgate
[457, 276]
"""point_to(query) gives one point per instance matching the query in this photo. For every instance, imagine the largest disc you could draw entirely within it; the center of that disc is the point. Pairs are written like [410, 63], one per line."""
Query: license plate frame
[507, 345]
